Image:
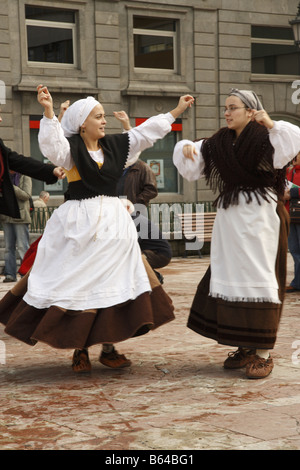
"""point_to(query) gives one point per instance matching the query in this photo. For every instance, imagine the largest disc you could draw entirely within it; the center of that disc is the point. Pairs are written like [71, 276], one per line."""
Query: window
[274, 51]
[160, 159]
[60, 186]
[154, 43]
[51, 36]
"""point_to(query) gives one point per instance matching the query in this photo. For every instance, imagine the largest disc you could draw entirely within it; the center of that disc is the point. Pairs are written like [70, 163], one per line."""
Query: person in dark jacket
[153, 244]
[293, 192]
[138, 181]
[10, 160]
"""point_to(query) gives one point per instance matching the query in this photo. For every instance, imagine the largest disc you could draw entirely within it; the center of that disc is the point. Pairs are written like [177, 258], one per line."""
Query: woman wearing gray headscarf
[89, 284]
[239, 300]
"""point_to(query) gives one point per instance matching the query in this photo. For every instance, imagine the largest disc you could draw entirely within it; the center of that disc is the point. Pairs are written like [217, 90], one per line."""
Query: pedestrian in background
[16, 230]
[138, 185]
[138, 181]
[42, 200]
[293, 192]
[11, 160]
[13, 198]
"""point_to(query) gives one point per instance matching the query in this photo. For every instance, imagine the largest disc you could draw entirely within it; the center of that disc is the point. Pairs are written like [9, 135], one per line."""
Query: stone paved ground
[176, 396]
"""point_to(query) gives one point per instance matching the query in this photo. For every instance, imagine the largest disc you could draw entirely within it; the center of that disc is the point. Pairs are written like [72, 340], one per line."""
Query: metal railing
[39, 217]
[163, 214]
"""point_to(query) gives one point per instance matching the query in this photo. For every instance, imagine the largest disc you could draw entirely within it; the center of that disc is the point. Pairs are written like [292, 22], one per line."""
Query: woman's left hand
[184, 102]
[262, 118]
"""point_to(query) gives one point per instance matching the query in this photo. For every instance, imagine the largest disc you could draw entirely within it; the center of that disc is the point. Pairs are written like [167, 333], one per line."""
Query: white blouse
[284, 136]
[245, 236]
[55, 146]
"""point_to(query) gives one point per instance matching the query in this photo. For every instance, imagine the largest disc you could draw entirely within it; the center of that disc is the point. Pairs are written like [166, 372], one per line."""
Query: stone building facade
[140, 56]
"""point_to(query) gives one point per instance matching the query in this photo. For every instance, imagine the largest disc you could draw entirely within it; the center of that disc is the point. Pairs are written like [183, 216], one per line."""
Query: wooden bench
[196, 227]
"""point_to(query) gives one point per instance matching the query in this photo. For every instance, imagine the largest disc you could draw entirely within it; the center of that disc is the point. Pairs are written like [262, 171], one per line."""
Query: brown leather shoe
[114, 360]
[81, 362]
[259, 368]
[239, 358]
[288, 289]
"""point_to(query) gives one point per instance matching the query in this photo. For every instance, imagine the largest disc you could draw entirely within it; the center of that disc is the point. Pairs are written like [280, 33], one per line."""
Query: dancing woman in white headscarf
[89, 284]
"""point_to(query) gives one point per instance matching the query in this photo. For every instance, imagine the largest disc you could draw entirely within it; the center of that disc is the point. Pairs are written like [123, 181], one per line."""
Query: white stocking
[264, 353]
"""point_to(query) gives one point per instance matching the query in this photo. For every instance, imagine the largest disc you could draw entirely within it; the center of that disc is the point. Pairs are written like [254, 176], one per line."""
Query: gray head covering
[76, 114]
[248, 97]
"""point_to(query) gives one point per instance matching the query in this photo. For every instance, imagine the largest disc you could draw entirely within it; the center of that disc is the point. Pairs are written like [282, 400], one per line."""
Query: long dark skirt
[245, 324]
[63, 329]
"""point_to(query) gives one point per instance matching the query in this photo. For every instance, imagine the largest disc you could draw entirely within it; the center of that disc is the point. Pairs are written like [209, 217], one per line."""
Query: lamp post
[296, 27]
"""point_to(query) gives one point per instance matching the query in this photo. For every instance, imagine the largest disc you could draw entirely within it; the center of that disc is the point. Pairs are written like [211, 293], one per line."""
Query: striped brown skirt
[245, 324]
[68, 329]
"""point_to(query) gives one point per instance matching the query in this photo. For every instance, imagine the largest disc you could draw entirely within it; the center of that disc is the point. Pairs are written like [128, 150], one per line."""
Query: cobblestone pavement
[175, 396]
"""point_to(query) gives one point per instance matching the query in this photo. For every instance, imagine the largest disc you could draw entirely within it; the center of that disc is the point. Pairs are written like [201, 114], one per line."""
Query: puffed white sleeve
[146, 134]
[285, 138]
[53, 143]
[191, 170]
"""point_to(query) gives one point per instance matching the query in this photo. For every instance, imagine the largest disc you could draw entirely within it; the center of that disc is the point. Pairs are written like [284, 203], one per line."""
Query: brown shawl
[243, 165]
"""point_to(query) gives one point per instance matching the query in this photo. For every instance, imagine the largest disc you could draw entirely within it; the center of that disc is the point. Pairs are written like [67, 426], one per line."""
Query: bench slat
[197, 225]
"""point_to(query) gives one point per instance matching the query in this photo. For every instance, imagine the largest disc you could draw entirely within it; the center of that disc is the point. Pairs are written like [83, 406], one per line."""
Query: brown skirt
[244, 324]
[66, 329]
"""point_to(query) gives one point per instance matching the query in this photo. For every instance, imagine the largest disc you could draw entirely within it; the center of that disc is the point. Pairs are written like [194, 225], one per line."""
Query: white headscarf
[76, 114]
[248, 97]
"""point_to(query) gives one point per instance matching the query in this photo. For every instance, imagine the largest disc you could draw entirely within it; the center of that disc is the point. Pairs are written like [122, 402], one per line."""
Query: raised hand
[123, 118]
[184, 102]
[63, 108]
[263, 118]
[45, 99]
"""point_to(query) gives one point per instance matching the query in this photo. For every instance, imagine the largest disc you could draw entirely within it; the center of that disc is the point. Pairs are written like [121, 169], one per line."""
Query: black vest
[95, 181]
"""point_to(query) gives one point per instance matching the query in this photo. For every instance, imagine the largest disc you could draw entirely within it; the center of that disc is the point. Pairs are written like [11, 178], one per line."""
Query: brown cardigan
[138, 183]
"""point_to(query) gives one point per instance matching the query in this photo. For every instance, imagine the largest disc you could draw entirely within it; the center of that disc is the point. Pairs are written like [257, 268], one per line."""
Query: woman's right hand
[189, 151]
[184, 102]
[262, 117]
[45, 99]
[123, 118]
